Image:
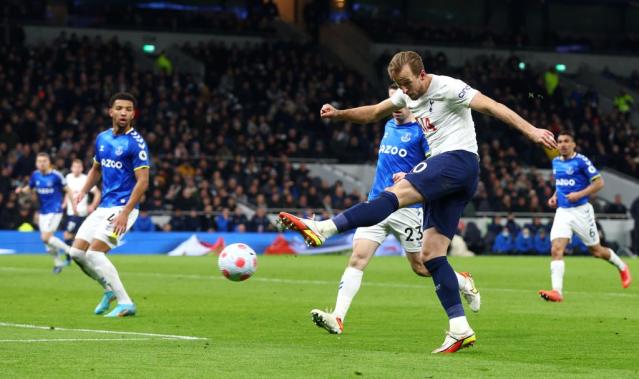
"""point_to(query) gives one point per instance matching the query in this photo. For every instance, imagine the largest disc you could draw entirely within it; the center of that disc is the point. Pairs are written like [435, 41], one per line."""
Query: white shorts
[99, 225]
[49, 222]
[404, 223]
[580, 220]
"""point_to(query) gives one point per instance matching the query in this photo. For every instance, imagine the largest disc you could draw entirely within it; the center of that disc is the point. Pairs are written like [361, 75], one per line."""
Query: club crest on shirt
[101, 148]
[119, 151]
[406, 137]
[570, 171]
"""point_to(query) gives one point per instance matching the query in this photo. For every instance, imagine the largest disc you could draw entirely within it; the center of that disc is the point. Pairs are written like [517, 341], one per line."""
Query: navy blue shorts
[73, 224]
[447, 182]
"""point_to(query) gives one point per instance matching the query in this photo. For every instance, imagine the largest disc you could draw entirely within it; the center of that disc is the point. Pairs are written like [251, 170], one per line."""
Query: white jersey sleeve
[398, 99]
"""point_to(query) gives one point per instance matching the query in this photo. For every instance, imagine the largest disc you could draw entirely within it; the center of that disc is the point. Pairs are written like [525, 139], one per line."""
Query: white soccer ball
[237, 262]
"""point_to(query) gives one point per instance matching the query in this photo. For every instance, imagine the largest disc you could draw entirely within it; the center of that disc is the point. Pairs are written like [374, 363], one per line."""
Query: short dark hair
[393, 85]
[568, 133]
[122, 96]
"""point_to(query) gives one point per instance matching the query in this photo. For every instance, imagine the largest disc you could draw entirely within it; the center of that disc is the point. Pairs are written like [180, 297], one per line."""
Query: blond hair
[410, 58]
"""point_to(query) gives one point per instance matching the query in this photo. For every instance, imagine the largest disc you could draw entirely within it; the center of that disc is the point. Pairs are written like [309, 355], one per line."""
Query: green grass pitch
[261, 328]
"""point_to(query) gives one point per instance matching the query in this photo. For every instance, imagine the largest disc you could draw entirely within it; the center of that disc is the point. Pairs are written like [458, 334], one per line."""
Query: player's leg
[586, 228]
[48, 224]
[557, 270]
[364, 214]
[560, 235]
[406, 225]
[108, 274]
[103, 241]
[365, 242]
[460, 334]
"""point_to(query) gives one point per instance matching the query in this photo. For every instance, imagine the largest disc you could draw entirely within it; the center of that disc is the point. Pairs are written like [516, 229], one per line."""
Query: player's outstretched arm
[486, 105]
[360, 115]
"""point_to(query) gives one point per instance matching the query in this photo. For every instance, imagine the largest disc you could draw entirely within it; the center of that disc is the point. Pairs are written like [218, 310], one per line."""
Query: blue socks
[446, 286]
[368, 213]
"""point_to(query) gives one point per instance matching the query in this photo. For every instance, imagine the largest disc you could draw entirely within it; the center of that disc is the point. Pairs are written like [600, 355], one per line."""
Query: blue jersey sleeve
[140, 153]
[96, 156]
[425, 146]
[589, 169]
[32, 181]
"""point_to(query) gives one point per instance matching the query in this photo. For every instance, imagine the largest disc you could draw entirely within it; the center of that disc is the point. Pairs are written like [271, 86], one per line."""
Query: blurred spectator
[524, 243]
[624, 102]
[223, 221]
[504, 243]
[617, 206]
[143, 223]
[542, 242]
[260, 222]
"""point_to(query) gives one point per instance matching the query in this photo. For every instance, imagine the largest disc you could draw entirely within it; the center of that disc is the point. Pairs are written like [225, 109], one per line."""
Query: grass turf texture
[262, 327]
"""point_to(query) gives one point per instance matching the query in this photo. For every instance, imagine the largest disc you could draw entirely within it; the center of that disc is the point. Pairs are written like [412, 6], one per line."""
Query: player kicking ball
[445, 182]
[402, 147]
[576, 179]
[122, 161]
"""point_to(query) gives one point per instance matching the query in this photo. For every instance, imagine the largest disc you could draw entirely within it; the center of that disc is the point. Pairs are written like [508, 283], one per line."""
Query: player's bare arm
[97, 196]
[142, 183]
[360, 115]
[595, 186]
[94, 175]
[484, 104]
[552, 202]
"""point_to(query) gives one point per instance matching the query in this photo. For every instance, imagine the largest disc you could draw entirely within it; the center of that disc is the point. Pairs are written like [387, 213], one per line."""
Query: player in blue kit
[50, 187]
[444, 183]
[402, 147]
[122, 161]
[576, 179]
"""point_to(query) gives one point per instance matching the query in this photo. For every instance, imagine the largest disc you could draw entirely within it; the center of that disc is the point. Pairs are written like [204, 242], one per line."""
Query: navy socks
[366, 214]
[446, 286]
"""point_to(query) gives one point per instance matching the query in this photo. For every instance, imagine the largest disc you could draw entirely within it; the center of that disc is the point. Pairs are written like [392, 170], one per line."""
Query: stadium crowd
[230, 137]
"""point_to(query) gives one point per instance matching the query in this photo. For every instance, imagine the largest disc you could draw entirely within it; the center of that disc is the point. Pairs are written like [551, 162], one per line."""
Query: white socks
[326, 228]
[99, 262]
[616, 261]
[557, 269]
[58, 244]
[80, 258]
[459, 325]
[348, 287]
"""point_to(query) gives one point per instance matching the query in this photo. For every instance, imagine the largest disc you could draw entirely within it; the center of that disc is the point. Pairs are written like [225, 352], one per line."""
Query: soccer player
[445, 182]
[122, 161]
[50, 186]
[402, 147]
[576, 179]
[75, 181]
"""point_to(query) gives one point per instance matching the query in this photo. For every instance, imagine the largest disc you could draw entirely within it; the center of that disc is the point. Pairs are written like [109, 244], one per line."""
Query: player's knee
[358, 261]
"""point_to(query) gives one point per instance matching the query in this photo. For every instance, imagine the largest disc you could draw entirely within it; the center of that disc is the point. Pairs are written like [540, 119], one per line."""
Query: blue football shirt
[119, 156]
[402, 148]
[50, 190]
[572, 175]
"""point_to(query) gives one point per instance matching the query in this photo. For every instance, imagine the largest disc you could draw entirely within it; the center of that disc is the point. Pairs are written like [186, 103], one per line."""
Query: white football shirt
[444, 114]
[75, 184]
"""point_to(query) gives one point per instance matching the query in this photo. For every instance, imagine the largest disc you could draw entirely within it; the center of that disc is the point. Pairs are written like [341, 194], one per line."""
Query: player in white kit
[401, 148]
[75, 181]
[444, 183]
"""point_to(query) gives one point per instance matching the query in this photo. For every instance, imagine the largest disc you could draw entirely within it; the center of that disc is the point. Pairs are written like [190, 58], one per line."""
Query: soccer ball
[237, 262]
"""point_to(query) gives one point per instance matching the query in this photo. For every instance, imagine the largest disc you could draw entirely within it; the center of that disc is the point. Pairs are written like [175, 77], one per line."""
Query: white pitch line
[83, 339]
[101, 331]
[325, 282]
